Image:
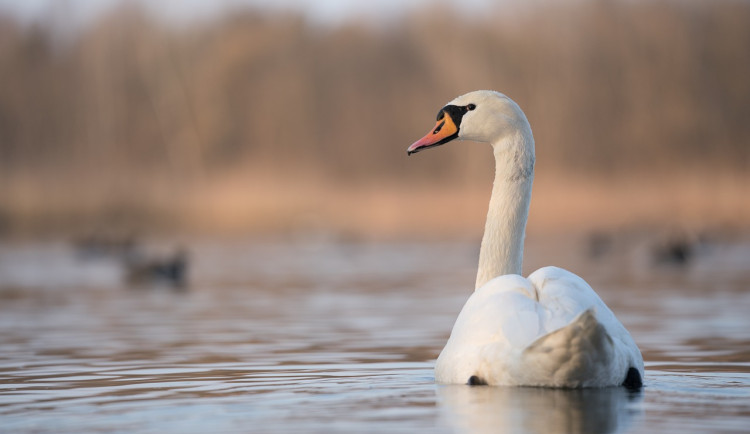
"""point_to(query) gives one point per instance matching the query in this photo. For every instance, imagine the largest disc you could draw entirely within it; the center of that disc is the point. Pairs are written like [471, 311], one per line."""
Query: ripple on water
[313, 339]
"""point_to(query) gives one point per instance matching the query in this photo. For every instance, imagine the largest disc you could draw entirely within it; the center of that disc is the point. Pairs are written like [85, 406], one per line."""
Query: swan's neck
[502, 244]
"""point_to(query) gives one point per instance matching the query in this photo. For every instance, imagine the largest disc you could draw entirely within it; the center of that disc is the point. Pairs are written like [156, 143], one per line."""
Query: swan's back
[551, 329]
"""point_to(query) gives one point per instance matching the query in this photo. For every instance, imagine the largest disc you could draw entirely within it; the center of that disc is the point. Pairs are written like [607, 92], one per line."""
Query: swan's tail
[578, 355]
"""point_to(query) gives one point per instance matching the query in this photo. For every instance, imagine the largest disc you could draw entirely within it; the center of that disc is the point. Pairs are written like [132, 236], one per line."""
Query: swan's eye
[471, 107]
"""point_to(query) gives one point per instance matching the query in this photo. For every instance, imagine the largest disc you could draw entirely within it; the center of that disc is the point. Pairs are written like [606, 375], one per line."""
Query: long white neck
[502, 244]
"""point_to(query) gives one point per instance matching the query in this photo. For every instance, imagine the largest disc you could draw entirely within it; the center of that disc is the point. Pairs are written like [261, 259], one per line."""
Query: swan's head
[481, 116]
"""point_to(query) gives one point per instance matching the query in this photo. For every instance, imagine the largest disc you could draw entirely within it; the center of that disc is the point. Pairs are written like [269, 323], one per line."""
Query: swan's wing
[503, 310]
[564, 297]
[502, 317]
[580, 354]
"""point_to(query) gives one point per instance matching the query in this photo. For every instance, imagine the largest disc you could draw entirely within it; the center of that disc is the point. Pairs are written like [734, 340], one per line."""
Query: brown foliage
[133, 114]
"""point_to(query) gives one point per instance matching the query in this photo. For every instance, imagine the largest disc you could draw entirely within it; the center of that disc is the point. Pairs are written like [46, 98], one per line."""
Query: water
[342, 337]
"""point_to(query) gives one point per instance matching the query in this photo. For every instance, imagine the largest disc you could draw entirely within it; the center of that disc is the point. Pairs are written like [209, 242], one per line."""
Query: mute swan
[550, 329]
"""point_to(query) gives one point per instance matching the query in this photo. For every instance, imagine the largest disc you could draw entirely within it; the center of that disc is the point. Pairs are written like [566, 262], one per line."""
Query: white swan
[550, 329]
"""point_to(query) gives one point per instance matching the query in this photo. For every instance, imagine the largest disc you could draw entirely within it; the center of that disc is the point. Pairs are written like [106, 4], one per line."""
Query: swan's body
[550, 329]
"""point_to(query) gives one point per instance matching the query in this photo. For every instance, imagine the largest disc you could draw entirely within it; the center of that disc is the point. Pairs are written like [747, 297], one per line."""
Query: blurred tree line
[610, 87]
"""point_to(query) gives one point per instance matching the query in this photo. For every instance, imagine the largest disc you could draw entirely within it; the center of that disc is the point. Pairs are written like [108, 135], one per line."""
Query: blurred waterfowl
[550, 329]
[674, 252]
[142, 270]
[678, 250]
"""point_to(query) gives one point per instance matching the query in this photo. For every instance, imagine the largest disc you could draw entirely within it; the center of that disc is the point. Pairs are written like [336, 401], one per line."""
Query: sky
[180, 11]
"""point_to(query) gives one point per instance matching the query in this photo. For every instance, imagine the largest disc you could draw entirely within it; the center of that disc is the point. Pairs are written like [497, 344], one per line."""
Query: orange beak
[444, 131]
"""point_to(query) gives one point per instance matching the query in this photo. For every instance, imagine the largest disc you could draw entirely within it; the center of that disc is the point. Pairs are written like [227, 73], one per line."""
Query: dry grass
[264, 124]
[259, 204]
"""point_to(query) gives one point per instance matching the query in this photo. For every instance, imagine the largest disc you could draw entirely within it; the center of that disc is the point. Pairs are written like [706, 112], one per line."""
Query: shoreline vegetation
[263, 124]
[246, 205]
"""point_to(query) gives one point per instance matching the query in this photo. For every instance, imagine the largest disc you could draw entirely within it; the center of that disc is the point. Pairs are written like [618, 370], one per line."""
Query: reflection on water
[538, 410]
[327, 337]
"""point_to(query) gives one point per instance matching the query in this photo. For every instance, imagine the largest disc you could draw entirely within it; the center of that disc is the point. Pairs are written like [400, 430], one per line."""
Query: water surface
[342, 337]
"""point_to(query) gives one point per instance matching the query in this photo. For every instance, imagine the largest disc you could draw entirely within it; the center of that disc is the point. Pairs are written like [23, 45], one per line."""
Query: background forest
[261, 123]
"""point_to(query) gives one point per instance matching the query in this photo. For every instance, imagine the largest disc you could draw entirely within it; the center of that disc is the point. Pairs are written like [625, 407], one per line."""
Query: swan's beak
[444, 131]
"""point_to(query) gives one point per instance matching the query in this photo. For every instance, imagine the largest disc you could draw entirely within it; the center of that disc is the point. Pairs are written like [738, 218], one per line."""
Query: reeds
[263, 122]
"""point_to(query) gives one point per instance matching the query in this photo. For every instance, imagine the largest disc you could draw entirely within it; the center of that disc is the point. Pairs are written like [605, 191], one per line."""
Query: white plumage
[550, 329]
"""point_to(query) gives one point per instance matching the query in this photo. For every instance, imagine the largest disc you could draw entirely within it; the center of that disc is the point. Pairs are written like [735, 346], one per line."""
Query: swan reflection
[538, 410]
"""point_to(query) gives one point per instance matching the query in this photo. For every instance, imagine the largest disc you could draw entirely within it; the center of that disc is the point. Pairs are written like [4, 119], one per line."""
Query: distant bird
[550, 329]
[141, 270]
[677, 250]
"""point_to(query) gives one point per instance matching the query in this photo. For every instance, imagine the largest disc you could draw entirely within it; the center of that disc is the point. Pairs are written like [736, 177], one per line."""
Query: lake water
[341, 337]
